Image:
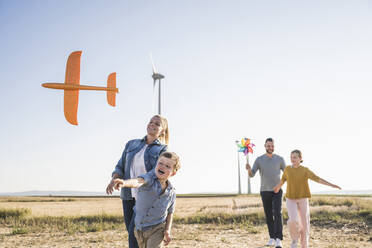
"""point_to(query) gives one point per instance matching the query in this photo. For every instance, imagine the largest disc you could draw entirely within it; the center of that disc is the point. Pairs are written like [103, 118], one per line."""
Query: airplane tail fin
[111, 93]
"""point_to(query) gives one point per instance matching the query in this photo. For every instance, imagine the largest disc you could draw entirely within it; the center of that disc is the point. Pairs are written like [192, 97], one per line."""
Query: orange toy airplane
[72, 86]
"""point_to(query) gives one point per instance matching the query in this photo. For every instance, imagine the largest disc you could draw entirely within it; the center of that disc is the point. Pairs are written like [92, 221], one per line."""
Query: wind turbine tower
[157, 77]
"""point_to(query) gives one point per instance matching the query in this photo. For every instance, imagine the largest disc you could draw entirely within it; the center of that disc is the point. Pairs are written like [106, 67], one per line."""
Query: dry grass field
[200, 221]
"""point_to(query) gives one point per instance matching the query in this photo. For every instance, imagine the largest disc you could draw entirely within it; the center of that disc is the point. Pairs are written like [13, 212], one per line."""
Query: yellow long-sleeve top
[297, 181]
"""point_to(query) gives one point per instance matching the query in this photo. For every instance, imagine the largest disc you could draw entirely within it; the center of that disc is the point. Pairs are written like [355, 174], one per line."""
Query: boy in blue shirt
[155, 201]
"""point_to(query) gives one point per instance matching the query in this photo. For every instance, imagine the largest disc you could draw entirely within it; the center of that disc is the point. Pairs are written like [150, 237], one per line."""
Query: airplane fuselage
[60, 86]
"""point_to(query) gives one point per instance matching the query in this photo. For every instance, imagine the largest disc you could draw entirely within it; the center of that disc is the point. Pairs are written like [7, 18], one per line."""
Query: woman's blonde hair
[299, 153]
[164, 136]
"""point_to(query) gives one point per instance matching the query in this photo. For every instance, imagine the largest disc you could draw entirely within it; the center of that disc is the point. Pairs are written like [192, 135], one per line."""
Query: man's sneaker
[278, 243]
[294, 244]
[271, 242]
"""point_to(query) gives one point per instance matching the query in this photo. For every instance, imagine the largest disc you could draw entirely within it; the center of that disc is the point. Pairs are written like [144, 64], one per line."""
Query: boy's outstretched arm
[130, 183]
[322, 181]
[167, 232]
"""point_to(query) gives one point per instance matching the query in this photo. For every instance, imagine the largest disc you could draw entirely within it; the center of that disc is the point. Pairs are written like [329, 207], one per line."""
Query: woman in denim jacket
[139, 157]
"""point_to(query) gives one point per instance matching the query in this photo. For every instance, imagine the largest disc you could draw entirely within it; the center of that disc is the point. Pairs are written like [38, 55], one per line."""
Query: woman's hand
[110, 187]
[167, 237]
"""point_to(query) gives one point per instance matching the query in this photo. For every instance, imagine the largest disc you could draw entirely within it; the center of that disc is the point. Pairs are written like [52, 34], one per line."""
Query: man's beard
[270, 152]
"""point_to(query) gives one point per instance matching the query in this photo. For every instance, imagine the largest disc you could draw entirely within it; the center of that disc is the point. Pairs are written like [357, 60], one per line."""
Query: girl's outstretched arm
[130, 183]
[322, 181]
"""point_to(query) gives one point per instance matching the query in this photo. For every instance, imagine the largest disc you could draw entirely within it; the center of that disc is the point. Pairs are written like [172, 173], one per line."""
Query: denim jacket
[151, 156]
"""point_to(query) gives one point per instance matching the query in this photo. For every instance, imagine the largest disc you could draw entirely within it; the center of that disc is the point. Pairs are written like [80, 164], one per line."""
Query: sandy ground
[191, 235]
[196, 236]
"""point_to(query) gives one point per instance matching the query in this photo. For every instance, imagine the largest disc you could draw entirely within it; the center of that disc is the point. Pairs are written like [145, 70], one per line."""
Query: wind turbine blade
[153, 65]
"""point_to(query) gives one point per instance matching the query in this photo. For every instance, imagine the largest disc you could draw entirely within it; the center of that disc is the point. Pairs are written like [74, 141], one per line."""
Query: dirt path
[195, 236]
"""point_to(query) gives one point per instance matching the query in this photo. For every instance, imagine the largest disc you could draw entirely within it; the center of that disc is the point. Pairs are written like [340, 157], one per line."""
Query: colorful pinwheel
[245, 146]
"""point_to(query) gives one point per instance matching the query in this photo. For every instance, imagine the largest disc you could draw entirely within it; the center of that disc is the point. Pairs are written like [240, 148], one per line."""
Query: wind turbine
[239, 184]
[159, 77]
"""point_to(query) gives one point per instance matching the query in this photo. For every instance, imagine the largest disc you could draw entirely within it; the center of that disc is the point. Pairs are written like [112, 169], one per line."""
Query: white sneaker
[271, 242]
[294, 244]
[278, 243]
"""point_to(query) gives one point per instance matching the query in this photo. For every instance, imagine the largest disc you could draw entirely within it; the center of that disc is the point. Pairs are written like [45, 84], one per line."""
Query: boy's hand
[167, 237]
[248, 167]
[118, 183]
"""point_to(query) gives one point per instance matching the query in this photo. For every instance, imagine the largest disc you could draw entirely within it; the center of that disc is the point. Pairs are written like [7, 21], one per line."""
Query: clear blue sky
[297, 71]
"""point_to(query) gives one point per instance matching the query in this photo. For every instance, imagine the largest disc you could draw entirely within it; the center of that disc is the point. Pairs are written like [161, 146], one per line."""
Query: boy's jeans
[150, 238]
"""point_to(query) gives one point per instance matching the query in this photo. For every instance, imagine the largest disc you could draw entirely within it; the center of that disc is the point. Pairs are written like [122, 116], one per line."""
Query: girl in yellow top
[297, 198]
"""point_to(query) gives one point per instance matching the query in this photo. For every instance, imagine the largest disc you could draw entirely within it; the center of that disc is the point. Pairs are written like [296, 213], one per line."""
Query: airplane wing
[71, 97]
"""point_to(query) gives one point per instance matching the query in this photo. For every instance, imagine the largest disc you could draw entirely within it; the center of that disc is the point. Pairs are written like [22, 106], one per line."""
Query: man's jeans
[272, 203]
[129, 214]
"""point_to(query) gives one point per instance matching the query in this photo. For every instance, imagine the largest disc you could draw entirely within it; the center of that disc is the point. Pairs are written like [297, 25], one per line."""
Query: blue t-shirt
[152, 206]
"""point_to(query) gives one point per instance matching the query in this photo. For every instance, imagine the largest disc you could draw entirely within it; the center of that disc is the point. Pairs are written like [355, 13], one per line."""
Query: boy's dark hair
[269, 140]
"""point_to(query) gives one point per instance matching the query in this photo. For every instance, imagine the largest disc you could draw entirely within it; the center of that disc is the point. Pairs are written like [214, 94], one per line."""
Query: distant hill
[57, 193]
